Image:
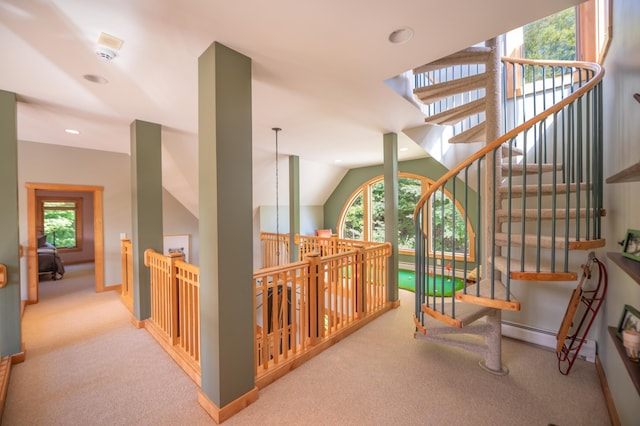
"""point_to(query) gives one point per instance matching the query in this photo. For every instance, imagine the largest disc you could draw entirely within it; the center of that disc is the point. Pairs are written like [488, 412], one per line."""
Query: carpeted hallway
[86, 364]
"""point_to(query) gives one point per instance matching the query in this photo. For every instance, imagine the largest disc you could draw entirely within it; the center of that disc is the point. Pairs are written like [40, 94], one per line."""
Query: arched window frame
[425, 183]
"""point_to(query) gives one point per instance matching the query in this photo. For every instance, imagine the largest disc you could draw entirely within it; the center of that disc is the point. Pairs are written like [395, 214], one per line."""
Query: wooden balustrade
[281, 313]
[126, 255]
[188, 304]
[275, 249]
[175, 308]
[300, 308]
[303, 307]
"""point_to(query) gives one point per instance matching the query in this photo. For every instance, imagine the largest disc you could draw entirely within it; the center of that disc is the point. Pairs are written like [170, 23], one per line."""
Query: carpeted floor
[86, 364]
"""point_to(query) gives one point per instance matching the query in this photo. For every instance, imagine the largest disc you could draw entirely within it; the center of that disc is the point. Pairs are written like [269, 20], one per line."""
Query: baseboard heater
[545, 339]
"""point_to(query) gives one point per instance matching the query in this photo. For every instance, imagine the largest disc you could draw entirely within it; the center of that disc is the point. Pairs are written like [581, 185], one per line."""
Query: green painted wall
[10, 325]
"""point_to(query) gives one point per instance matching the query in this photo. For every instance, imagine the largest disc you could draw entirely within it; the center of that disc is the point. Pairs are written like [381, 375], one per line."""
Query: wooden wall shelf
[631, 267]
[632, 367]
[630, 174]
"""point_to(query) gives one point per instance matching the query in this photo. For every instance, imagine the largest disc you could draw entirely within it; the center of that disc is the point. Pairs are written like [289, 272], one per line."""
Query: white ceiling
[318, 73]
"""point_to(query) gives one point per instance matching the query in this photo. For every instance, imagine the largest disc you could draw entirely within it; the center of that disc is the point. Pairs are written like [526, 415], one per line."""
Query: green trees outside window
[60, 223]
[553, 37]
[363, 216]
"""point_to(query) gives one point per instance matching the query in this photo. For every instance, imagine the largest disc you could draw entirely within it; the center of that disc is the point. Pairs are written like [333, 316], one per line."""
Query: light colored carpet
[86, 364]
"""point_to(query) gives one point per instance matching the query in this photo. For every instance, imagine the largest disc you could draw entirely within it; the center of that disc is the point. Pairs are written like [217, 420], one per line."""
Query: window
[362, 217]
[61, 222]
[578, 33]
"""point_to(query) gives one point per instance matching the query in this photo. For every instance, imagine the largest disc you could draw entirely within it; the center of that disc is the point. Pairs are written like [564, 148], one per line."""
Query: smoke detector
[105, 53]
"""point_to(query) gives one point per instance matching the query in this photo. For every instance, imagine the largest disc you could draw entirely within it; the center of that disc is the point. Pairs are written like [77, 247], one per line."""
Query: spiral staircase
[533, 191]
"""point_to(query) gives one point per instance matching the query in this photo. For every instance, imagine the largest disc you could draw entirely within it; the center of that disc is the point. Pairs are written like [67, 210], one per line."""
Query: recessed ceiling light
[95, 78]
[404, 149]
[338, 161]
[72, 131]
[401, 35]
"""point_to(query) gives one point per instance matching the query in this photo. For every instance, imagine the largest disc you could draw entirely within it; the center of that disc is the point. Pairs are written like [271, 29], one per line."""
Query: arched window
[362, 217]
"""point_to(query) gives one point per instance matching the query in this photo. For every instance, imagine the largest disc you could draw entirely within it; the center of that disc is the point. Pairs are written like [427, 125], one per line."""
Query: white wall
[177, 219]
[622, 149]
[55, 164]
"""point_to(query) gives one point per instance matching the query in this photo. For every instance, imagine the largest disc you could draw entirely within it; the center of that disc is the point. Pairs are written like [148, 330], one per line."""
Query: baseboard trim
[136, 322]
[611, 407]
[545, 339]
[219, 415]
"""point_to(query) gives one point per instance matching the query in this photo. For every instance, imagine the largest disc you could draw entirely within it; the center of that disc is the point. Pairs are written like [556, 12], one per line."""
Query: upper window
[578, 33]
[363, 216]
[61, 221]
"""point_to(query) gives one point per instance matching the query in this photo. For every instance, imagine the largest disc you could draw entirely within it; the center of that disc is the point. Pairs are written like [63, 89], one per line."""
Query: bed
[49, 261]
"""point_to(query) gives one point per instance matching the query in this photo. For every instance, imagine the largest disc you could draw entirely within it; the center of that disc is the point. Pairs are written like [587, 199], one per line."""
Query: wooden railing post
[314, 294]
[360, 281]
[175, 302]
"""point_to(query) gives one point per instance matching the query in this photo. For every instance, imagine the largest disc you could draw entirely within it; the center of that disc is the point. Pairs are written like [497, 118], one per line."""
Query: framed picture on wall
[631, 245]
[179, 243]
[630, 320]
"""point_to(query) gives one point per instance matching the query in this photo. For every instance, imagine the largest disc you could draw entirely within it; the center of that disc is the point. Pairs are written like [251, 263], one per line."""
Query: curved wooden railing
[564, 134]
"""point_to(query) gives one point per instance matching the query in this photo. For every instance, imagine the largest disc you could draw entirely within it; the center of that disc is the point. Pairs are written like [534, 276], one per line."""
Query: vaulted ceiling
[319, 71]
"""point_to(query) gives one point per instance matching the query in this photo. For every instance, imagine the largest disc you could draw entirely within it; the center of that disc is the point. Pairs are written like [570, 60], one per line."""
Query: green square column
[294, 206]
[226, 240]
[146, 190]
[10, 327]
[391, 211]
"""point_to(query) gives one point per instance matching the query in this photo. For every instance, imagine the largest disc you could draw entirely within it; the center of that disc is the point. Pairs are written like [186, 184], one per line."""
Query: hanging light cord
[277, 129]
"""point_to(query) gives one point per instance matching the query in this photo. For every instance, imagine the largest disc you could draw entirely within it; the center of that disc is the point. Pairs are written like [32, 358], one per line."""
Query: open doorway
[32, 225]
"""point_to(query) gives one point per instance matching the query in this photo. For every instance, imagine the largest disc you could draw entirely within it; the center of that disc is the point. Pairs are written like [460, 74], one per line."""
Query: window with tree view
[60, 222]
[363, 216]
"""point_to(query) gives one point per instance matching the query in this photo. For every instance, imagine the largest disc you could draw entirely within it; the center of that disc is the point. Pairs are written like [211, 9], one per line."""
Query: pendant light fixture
[277, 129]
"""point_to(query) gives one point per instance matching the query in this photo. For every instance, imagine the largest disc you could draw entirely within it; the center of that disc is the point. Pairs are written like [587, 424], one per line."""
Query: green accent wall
[226, 224]
[146, 204]
[10, 320]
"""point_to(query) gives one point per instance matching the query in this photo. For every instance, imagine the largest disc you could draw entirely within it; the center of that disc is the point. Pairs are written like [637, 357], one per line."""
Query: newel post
[314, 291]
[175, 300]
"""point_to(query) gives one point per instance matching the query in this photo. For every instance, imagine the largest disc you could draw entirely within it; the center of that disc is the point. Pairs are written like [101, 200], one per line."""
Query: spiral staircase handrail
[581, 91]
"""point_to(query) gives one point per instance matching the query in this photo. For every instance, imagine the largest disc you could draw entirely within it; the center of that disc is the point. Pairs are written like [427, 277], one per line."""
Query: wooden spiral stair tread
[465, 313]
[481, 294]
[530, 271]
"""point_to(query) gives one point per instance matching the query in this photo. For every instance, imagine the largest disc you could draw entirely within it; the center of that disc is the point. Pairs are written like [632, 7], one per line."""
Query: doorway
[32, 258]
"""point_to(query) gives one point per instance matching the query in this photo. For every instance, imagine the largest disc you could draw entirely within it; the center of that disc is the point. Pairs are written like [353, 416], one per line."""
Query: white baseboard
[545, 339]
